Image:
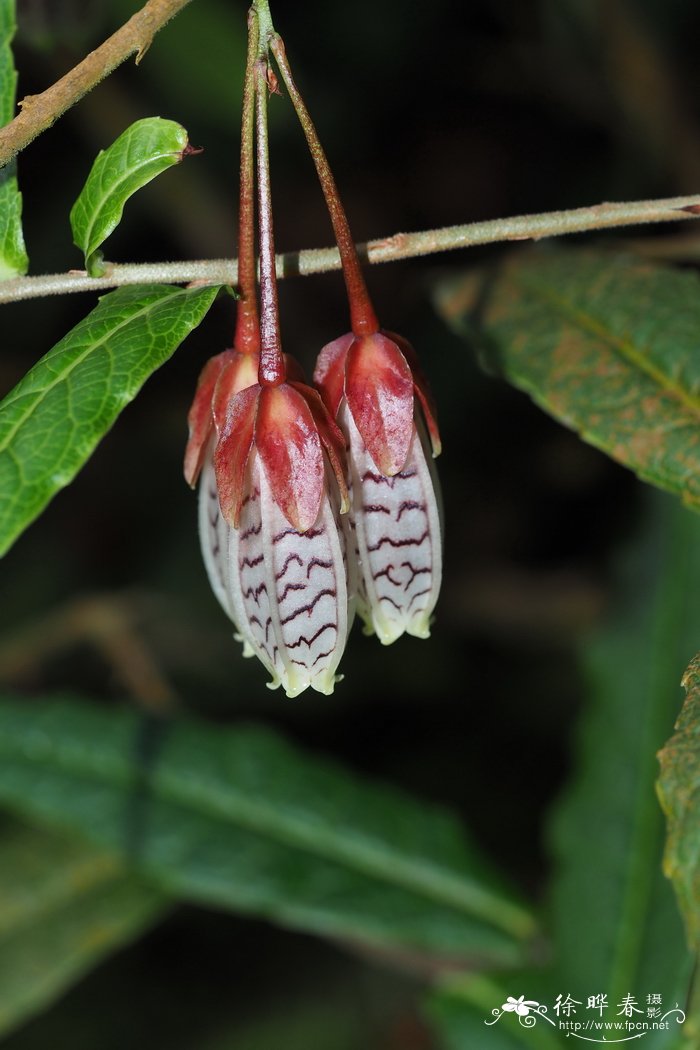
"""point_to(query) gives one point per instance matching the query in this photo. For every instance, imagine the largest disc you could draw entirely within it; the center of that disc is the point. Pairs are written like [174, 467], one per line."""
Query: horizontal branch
[388, 249]
[39, 112]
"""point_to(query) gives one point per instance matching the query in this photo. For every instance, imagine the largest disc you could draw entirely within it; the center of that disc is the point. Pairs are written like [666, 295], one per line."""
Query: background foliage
[568, 616]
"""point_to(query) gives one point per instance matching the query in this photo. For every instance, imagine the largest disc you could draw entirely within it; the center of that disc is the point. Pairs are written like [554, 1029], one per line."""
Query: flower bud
[286, 587]
[374, 387]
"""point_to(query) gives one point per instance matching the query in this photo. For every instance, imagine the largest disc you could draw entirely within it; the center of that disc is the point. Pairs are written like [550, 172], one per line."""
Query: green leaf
[13, 255]
[323, 1020]
[467, 1011]
[236, 818]
[144, 150]
[606, 344]
[679, 791]
[63, 907]
[55, 416]
[616, 927]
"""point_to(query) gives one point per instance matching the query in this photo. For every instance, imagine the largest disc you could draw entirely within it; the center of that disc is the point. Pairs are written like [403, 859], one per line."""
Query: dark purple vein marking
[255, 592]
[250, 563]
[317, 562]
[310, 641]
[375, 508]
[387, 572]
[291, 587]
[289, 558]
[399, 543]
[386, 598]
[414, 572]
[418, 595]
[409, 504]
[310, 534]
[378, 479]
[310, 607]
[251, 496]
[253, 530]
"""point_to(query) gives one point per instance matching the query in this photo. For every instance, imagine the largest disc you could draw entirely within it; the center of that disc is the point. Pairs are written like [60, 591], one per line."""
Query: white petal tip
[323, 683]
[327, 683]
[420, 629]
[248, 649]
[387, 633]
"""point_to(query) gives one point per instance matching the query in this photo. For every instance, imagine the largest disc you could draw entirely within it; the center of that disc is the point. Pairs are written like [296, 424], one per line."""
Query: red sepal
[379, 391]
[329, 373]
[422, 390]
[199, 417]
[233, 450]
[332, 439]
[289, 447]
[240, 372]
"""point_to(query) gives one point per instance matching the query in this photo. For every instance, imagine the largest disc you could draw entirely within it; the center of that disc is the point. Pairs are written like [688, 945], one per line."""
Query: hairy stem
[272, 369]
[385, 249]
[264, 18]
[362, 315]
[39, 112]
[247, 335]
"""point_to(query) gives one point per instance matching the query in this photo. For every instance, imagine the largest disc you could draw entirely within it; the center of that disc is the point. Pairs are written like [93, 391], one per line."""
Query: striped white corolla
[214, 535]
[287, 591]
[214, 540]
[275, 550]
[220, 379]
[395, 528]
[375, 389]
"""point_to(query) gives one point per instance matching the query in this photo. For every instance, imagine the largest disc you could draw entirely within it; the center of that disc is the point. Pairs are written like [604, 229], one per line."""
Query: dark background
[432, 114]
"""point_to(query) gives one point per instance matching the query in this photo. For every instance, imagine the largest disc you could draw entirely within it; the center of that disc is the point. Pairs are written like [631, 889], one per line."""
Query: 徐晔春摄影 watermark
[595, 1019]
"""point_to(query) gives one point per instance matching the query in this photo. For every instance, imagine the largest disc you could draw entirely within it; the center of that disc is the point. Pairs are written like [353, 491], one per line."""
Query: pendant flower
[221, 378]
[372, 384]
[279, 480]
[375, 389]
[293, 533]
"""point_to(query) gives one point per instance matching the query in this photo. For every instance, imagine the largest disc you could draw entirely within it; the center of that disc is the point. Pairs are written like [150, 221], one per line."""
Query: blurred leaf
[13, 255]
[53, 419]
[63, 907]
[679, 791]
[616, 925]
[313, 1022]
[144, 150]
[463, 1012]
[606, 344]
[238, 819]
[206, 91]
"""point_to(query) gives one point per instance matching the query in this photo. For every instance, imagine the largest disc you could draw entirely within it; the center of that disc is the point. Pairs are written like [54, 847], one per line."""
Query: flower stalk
[363, 319]
[272, 367]
[247, 333]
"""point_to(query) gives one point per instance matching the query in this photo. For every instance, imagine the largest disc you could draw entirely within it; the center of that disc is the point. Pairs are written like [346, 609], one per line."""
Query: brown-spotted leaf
[608, 344]
[679, 792]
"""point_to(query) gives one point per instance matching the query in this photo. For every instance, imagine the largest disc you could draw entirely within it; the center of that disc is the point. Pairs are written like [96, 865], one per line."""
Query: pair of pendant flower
[314, 503]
